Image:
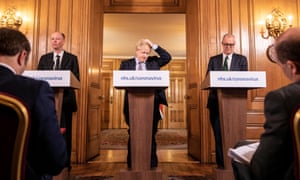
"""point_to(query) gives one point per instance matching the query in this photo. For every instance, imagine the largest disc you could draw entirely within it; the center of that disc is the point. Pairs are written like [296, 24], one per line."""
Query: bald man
[60, 59]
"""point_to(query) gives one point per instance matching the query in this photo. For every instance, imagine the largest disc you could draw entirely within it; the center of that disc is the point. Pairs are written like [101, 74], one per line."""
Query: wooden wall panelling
[175, 113]
[112, 98]
[255, 119]
[176, 110]
[118, 117]
[47, 23]
[261, 9]
[225, 16]
[27, 10]
[93, 124]
[258, 61]
[193, 26]
[86, 29]
[106, 82]
[245, 45]
[106, 104]
[144, 6]
[209, 46]
[92, 65]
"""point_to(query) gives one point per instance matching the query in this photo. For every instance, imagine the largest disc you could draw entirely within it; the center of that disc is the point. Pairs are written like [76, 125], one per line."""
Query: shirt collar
[60, 54]
[8, 67]
[137, 61]
[229, 56]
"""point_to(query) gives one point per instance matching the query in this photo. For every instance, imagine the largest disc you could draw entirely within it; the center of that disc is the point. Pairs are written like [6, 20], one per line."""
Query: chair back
[14, 133]
[296, 131]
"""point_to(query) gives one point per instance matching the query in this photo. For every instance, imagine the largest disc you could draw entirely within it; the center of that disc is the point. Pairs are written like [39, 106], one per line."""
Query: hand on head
[148, 42]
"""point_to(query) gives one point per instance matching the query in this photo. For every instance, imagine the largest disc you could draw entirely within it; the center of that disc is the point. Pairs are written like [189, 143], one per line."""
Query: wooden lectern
[58, 80]
[141, 86]
[232, 96]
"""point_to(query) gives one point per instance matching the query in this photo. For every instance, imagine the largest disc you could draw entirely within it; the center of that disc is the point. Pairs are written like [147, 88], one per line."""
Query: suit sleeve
[164, 56]
[274, 142]
[75, 68]
[209, 66]
[44, 64]
[49, 148]
[244, 64]
[123, 66]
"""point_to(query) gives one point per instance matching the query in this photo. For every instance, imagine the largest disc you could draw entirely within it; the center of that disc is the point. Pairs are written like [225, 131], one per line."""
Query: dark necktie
[57, 62]
[225, 66]
[140, 68]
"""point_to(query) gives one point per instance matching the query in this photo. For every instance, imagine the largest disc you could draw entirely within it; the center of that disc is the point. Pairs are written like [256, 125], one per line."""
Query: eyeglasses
[227, 44]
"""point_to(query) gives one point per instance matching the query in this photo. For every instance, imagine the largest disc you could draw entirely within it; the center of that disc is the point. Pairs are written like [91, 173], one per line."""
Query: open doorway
[122, 31]
[120, 34]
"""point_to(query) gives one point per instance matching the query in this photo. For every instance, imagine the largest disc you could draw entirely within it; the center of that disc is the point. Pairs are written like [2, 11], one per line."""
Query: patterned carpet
[166, 139]
[169, 178]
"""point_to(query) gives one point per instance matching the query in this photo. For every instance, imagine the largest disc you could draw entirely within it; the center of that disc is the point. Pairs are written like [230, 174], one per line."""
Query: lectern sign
[62, 78]
[58, 80]
[232, 90]
[235, 79]
[141, 78]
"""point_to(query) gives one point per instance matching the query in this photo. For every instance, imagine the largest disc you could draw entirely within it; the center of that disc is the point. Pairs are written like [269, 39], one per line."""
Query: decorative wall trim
[144, 6]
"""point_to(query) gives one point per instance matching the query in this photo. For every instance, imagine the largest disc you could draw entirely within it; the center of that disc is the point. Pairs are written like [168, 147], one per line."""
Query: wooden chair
[14, 132]
[296, 131]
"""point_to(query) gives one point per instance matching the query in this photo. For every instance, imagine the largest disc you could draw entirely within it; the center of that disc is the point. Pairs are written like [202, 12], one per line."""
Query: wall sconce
[276, 23]
[11, 18]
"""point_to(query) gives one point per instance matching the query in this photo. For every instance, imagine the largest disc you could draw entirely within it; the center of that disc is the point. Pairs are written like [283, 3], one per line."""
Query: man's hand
[149, 42]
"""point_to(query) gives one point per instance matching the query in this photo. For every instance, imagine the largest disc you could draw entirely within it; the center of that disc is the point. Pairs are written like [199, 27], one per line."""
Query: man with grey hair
[228, 60]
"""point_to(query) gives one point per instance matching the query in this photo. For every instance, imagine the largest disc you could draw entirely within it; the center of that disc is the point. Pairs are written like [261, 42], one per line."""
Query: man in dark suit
[227, 61]
[46, 154]
[275, 156]
[142, 61]
[63, 60]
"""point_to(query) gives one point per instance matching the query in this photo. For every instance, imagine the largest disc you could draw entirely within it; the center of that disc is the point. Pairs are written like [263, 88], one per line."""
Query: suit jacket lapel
[234, 62]
[220, 61]
[65, 61]
[132, 64]
[50, 62]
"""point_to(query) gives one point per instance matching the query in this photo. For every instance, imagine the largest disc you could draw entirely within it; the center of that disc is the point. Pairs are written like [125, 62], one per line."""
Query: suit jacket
[238, 63]
[69, 62]
[274, 156]
[46, 152]
[152, 63]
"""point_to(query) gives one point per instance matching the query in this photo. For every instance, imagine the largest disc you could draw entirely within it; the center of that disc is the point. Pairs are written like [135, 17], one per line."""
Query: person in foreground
[46, 153]
[274, 157]
[142, 61]
[63, 60]
[228, 60]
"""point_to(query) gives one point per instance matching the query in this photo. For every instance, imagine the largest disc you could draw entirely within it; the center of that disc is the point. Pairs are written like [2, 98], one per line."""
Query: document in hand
[243, 154]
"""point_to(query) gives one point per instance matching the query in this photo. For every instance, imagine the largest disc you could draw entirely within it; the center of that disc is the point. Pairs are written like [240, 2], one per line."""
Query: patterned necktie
[225, 66]
[57, 62]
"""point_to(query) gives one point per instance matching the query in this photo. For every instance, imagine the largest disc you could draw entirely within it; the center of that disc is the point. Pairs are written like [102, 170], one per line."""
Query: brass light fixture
[275, 23]
[11, 18]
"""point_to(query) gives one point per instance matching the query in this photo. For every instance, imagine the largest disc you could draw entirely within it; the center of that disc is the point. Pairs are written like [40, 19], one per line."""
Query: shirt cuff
[154, 46]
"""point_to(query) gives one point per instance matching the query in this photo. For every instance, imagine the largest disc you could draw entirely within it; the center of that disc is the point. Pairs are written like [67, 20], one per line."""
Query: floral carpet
[165, 138]
[169, 178]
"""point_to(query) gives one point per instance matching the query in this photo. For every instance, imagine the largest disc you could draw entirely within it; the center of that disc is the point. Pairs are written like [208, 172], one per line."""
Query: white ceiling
[122, 31]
